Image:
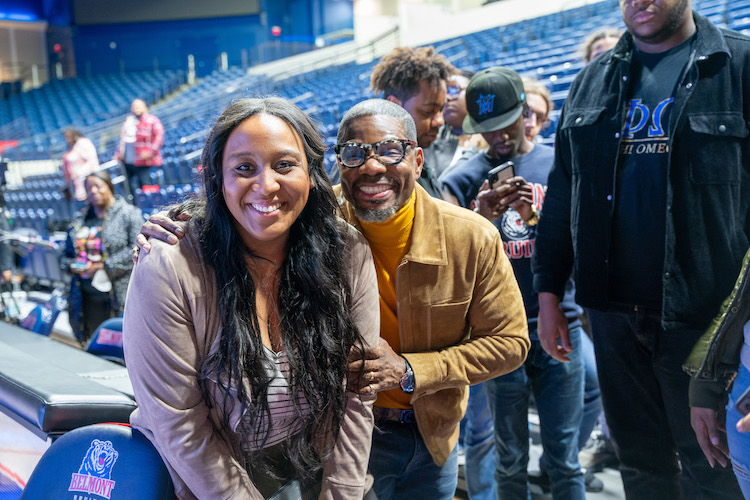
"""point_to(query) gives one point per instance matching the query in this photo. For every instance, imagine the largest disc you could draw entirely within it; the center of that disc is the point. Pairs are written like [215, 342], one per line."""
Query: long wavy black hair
[314, 299]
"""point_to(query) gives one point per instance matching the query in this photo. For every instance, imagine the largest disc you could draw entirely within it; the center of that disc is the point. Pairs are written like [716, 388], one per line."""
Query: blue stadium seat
[106, 342]
[111, 461]
[42, 318]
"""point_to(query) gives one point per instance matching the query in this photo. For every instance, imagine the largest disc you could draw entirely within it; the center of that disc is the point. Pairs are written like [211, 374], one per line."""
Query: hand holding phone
[499, 174]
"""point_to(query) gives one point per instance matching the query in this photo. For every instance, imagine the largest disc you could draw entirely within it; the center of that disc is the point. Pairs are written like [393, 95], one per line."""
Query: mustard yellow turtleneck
[390, 242]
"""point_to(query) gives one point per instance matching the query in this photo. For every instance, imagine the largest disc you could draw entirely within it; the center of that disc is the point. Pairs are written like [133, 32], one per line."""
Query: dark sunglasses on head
[387, 152]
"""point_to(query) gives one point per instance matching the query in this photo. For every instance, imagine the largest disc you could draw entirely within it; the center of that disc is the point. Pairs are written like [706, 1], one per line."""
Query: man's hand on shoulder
[161, 227]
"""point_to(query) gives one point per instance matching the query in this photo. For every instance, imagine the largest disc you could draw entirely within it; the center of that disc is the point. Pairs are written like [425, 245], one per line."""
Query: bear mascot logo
[94, 475]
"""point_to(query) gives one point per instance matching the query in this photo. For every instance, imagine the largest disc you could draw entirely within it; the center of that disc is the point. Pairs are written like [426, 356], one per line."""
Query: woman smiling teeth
[266, 208]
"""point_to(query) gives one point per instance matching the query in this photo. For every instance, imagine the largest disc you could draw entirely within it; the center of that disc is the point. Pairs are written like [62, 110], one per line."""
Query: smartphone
[743, 404]
[500, 173]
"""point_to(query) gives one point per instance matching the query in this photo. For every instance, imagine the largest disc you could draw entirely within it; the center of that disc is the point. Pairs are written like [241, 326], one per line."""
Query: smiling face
[266, 181]
[426, 108]
[658, 25]
[97, 192]
[378, 191]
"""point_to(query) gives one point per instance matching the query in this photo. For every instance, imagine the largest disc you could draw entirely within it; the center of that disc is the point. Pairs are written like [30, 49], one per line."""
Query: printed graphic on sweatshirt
[645, 130]
[518, 238]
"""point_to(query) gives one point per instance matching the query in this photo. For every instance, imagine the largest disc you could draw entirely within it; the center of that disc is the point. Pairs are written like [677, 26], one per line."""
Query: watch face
[407, 383]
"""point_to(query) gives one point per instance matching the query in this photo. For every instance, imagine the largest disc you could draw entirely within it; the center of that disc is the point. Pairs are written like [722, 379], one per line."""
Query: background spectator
[97, 254]
[141, 139]
[647, 206]
[540, 106]
[599, 42]
[78, 161]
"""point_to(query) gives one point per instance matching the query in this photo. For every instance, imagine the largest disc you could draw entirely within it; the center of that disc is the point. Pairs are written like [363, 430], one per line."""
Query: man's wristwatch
[407, 379]
[534, 219]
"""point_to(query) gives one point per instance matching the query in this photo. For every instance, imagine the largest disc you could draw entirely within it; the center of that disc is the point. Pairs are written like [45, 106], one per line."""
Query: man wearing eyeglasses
[540, 105]
[451, 311]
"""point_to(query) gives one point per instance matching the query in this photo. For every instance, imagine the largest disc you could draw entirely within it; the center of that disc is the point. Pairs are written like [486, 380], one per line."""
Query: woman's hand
[711, 441]
[161, 227]
[383, 369]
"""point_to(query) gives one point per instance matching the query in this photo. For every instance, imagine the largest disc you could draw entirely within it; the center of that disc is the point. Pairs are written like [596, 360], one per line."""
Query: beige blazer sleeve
[345, 471]
[163, 344]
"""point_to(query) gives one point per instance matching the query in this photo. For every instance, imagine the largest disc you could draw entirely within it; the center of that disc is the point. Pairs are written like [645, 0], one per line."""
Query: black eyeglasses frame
[369, 148]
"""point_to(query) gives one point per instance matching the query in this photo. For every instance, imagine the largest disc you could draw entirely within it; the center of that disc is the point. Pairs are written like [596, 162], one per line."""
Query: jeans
[558, 389]
[645, 396]
[478, 442]
[592, 401]
[403, 468]
[739, 442]
[138, 176]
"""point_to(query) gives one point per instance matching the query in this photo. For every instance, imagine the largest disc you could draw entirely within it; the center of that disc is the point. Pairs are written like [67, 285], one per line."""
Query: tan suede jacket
[460, 313]
[171, 324]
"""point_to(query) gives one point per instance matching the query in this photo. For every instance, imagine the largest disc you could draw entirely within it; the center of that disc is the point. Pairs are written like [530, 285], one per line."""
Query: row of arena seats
[544, 47]
[85, 101]
[53, 212]
[40, 203]
[37, 220]
[40, 261]
[151, 199]
[46, 201]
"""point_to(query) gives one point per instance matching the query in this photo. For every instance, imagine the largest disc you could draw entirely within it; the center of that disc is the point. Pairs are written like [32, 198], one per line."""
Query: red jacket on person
[149, 136]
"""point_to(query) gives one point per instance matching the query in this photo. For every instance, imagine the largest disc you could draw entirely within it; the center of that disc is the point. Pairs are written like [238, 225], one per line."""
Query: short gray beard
[375, 215]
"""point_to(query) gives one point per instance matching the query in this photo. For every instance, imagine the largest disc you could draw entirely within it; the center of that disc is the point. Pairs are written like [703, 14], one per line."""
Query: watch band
[534, 219]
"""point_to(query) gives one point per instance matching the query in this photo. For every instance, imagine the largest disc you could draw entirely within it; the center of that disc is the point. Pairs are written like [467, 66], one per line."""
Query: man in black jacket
[648, 206]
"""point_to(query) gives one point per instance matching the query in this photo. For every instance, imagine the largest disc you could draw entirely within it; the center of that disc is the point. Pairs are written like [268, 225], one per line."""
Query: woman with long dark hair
[237, 338]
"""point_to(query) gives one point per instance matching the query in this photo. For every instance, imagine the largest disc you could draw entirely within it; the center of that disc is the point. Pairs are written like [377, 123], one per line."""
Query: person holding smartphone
[512, 198]
[720, 369]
